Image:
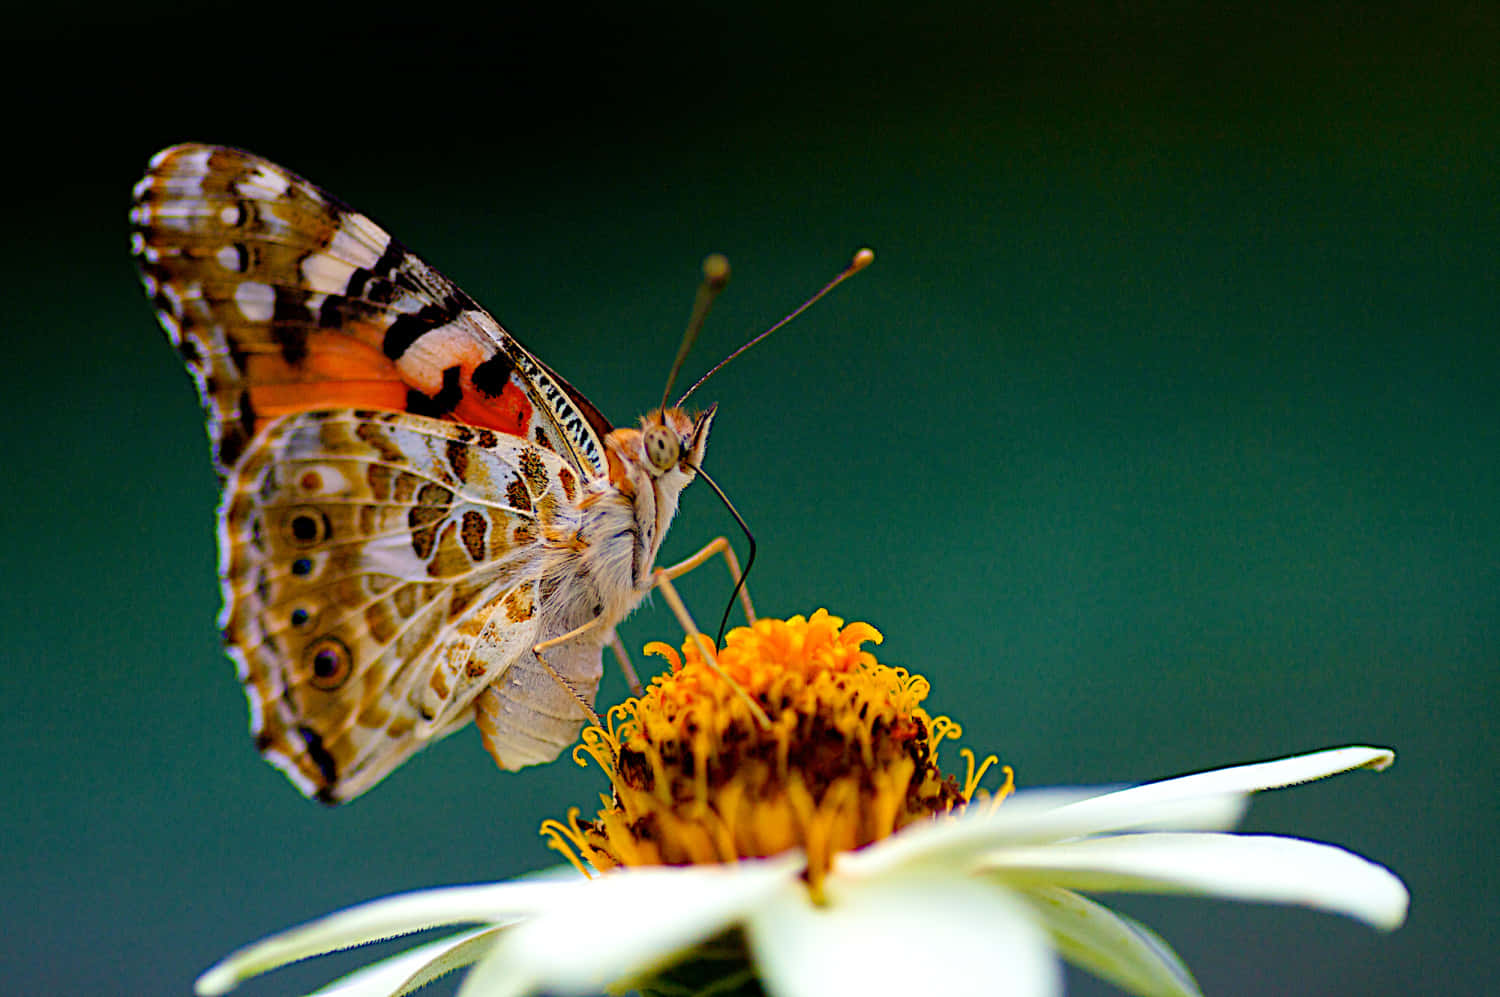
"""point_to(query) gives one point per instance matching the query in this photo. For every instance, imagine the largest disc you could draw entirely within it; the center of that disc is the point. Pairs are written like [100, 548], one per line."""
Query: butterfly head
[673, 442]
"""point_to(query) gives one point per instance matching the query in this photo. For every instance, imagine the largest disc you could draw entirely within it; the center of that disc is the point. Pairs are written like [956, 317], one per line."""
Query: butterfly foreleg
[631, 678]
[718, 545]
[705, 648]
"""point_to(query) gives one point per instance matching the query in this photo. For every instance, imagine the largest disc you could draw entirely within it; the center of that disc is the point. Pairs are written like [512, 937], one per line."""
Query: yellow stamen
[848, 755]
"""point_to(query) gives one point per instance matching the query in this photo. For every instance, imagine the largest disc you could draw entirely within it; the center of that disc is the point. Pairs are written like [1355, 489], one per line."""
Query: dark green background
[1162, 435]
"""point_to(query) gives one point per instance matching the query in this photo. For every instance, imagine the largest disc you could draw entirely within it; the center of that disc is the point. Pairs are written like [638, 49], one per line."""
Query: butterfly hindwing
[281, 298]
[380, 570]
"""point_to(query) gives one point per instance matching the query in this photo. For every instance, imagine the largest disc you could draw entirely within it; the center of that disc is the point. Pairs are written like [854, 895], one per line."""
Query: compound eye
[662, 448]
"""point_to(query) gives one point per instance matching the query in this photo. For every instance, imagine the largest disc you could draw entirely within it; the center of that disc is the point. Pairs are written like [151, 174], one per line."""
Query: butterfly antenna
[715, 278]
[739, 585]
[862, 259]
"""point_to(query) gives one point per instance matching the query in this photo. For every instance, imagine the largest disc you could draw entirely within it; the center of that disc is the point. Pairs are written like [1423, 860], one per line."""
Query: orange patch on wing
[509, 412]
[328, 356]
[335, 372]
[272, 400]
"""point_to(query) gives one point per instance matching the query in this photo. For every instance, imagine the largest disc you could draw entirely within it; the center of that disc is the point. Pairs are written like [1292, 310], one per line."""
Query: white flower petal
[1206, 801]
[625, 922]
[1110, 945]
[1264, 868]
[1036, 817]
[914, 934]
[496, 903]
[1236, 780]
[414, 968]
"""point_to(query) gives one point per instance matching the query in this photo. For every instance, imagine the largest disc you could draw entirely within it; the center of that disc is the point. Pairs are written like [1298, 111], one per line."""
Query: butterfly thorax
[627, 517]
[597, 569]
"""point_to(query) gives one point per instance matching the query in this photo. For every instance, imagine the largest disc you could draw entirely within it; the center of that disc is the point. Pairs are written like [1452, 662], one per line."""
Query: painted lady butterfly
[412, 502]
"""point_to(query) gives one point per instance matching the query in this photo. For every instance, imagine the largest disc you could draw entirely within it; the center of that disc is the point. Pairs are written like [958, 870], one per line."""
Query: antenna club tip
[862, 259]
[716, 269]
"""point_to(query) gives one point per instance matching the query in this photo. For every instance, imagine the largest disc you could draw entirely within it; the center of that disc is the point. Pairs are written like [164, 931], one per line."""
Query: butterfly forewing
[281, 298]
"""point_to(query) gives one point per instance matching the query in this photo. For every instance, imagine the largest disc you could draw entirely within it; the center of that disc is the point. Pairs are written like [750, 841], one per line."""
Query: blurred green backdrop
[1162, 435]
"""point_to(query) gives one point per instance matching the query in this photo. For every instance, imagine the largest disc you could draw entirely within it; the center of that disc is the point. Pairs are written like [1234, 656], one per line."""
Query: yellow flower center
[849, 755]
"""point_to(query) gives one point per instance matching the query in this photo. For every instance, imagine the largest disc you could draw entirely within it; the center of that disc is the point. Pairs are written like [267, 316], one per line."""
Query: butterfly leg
[662, 580]
[631, 678]
[576, 632]
[685, 619]
[718, 545]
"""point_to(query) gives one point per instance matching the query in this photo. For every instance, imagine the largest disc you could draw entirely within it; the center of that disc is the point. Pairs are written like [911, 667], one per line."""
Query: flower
[778, 821]
[791, 737]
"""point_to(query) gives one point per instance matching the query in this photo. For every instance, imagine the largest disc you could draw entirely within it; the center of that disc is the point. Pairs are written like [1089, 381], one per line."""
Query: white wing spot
[257, 714]
[174, 299]
[358, 240]
[237, 655]
[230, 259]
[193, 163]
[290, 770]
[263, 182]
[327, 274]
[230, 215]
[256, 301]
[137, 243]
[437, 349]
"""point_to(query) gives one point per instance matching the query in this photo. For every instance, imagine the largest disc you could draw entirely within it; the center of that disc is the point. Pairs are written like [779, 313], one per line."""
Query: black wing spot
[320, 756]
[234, 434]
[356, 283]
[306, 526]
[409, 328]
[237, 353]
[241, 261]
[331, 311]
[192, 356]
[440, 404]
[331, 662]
[380, 292]
[291, 338]
[390, 259]
[247, 413]
[491, 376]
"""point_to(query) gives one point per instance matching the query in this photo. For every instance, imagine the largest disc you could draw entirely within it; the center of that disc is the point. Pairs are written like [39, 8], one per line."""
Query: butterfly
[412, 503]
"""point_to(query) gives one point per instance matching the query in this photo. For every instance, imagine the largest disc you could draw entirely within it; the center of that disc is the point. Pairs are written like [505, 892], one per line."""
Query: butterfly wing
[349, 389]
[280, 298]
[380, 570]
